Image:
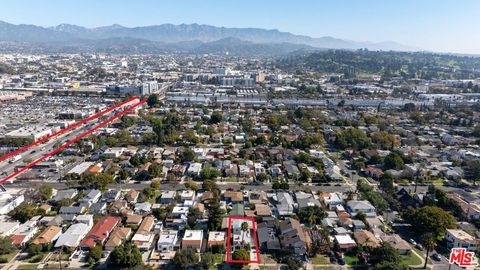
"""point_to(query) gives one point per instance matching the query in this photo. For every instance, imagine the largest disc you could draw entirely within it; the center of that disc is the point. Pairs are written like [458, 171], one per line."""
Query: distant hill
[165, 37]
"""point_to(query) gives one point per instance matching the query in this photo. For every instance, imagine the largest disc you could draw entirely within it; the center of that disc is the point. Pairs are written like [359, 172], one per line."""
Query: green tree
[393, 161]
[135, 160]
[429, 242]
[216, 117]
[430, 219]
[280, 185]
[472, 171]
[209, 173]
[262, 177]
[45, 191]
[111, 141]
[24, 212]
[6, 245]
[94, 254]
[311, 215]
[155, 184]
[126, 255]
[185, 258]
[208, 261]
[155, 169]
[241, 255]
[390, 266]
[384, 253]
[386, 183]
[34, 250]
[209, 185]
[152, 100]
[244, 226]
[187, 155]
[123, 174]
[215, 214]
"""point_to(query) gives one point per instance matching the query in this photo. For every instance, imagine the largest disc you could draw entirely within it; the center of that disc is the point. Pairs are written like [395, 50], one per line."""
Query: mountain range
[168, 37]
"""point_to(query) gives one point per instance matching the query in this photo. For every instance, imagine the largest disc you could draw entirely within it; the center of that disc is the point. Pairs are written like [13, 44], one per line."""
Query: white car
[412, 242]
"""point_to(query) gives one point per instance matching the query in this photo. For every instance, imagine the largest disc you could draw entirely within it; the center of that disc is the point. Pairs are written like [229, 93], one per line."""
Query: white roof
[81, 168]
[168, 237]
[216, 236]
[143, 237]
[7, 226]
[193, 235]
[72, 236]
[344, 239]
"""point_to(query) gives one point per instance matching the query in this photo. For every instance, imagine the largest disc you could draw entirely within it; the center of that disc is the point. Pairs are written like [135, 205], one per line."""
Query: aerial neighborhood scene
[193, 135]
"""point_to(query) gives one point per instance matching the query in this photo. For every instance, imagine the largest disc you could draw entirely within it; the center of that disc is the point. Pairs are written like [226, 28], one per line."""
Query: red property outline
[65, 145]
[76, 124]
[227, 259]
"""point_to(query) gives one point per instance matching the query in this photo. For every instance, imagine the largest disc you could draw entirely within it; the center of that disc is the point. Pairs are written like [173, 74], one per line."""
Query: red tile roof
[100, 231]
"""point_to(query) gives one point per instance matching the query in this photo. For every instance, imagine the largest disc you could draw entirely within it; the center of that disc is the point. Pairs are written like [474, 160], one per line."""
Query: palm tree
[429, 242]
[244, 226]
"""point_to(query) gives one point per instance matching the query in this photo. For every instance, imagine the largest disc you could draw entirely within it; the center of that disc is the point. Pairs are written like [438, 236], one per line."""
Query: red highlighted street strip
[229, 258]
[67, 144]
[83, 121]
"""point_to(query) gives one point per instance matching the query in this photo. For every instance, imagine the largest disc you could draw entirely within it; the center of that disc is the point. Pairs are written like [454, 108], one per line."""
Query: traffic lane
[40, 150]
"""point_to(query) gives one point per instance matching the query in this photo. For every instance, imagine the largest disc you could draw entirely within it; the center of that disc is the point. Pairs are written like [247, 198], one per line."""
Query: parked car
[413, 242]
[419, 246]
[436, 257]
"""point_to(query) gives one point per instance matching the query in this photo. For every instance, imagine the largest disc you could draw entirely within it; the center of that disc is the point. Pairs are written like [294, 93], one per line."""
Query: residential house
[267, 240]
[99, 208]
[117, 237]
[167, 240]
[263, 210]
[461, 239]
[398, 243]
[92, 197]
[132, 196]
[65, 194]
[24, 233]
[144, 236]
[87, 219]
[292, 236]
[233, 196]
[134, 220]
[194, 169]
[365, 238]
[100, 232]
[193, 239]
[285, 204]
[216, 239]
[49, 235]
[7, 227]
[345, 241]
[305, 200]
[72, 210]
[366, 207]
[71, 238]
[143, 208]
[167, 197]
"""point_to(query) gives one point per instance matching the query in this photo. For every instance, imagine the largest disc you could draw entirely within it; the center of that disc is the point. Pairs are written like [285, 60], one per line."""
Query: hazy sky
[438, 25]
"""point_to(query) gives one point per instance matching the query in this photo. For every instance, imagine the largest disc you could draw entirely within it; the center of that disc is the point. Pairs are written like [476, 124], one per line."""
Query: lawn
[219, 258]
[351, 260]
[320, 259]
[437, 182]
[27, 266]
[323, 267]
[411, 259]
[10, 255]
